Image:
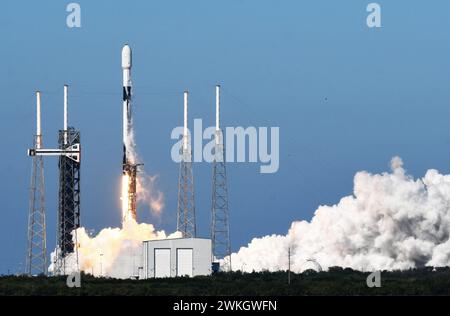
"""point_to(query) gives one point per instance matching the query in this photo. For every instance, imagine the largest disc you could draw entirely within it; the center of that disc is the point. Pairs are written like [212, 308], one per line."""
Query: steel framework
[36, 260]
[220, 226]
[186, 201]
[69, 200]
[186, 198]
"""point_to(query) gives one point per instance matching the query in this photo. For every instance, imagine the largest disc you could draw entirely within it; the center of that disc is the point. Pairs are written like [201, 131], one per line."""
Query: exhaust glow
[126, 213]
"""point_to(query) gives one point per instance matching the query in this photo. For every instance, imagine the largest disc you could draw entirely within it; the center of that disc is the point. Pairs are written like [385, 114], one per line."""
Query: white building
[176, 257]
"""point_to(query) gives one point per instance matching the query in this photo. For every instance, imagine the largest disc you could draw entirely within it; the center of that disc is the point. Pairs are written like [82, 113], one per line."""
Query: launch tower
[68, 194]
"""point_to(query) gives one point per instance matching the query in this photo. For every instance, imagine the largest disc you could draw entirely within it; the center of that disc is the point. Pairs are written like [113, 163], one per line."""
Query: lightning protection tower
[36, 260]
[220, 226]
[186, 202]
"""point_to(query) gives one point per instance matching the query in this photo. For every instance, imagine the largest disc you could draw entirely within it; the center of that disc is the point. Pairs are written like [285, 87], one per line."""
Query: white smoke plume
[391, 222]
[113, 252]
[147, 194]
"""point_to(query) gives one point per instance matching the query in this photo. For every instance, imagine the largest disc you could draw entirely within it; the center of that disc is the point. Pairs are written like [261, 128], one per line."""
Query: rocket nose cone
[126, 57]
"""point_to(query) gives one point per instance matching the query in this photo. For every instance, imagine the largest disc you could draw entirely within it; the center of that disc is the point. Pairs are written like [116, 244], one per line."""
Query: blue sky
[346, 98]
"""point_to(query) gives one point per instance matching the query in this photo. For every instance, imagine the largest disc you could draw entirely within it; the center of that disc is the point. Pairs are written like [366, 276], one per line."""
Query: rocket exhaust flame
[126, 215]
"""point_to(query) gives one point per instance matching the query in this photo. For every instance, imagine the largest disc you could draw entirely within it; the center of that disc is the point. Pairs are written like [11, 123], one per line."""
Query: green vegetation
[336, 281]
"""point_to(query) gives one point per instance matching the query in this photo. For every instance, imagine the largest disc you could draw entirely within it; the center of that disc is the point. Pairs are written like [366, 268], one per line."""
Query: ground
[336, 281]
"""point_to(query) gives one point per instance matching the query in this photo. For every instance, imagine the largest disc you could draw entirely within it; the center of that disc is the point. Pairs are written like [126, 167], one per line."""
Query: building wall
[201, 255]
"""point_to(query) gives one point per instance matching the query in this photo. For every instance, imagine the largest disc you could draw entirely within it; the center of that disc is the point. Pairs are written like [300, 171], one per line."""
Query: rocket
[126, 67]
[129, 166]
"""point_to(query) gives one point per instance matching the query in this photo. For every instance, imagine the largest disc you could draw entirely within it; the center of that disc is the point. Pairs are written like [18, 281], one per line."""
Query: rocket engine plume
[391, 222]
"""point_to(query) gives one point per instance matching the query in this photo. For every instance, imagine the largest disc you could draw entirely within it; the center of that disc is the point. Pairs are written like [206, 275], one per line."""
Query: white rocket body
[126, 67]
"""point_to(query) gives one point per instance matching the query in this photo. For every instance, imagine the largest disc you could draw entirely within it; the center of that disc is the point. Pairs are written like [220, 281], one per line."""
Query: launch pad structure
[69, 154]
[68, 198]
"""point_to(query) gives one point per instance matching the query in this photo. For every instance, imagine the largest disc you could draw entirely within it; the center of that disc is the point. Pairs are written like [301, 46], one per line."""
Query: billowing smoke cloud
[147, 194]
[391, 221]
[113, 252]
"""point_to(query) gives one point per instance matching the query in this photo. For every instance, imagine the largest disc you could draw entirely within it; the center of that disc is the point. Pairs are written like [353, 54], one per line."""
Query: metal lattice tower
[36, 260]
[186, 201]
[69, 199]
[220, 227]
